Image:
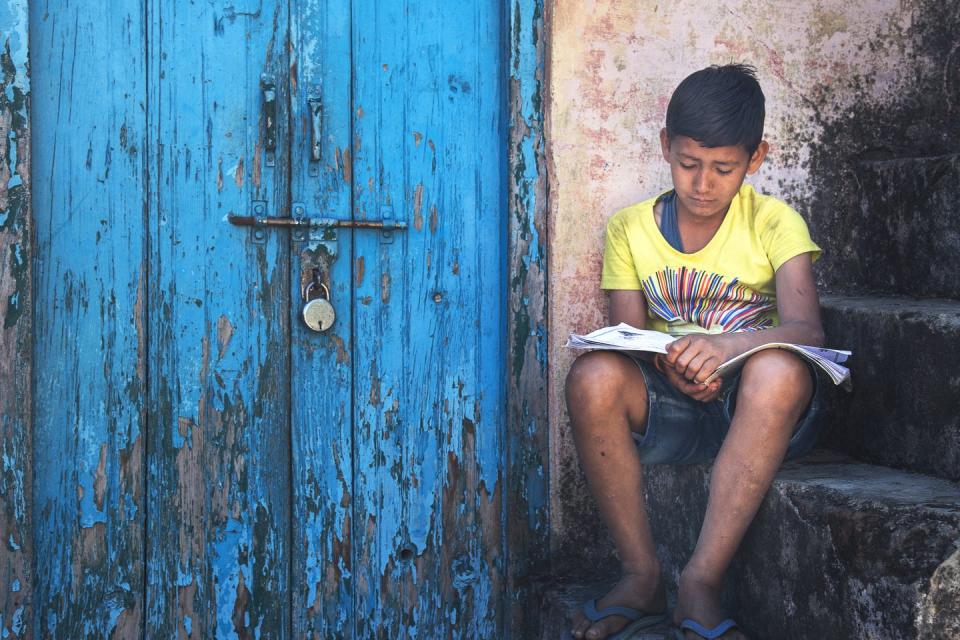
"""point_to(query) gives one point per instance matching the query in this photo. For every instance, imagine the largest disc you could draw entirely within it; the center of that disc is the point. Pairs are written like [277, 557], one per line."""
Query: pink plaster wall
[613, 66]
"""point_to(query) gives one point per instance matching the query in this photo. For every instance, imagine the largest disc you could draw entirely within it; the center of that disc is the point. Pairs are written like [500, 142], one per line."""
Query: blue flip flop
[638, 619]
[700, 630]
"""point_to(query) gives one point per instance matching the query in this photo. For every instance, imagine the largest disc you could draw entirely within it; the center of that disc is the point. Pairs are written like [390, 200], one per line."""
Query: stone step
[903, 411]
[839, 549]
[902, 239]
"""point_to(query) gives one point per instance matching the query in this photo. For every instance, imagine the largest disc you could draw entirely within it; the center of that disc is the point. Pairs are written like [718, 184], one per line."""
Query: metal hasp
[316, 126]
[270, 117]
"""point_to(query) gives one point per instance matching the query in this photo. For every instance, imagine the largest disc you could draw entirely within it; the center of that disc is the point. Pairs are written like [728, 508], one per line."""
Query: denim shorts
[681, 430]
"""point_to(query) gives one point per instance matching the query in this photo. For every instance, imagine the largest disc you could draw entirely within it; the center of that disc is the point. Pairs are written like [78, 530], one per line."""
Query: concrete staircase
[862, 538]
[840, 549]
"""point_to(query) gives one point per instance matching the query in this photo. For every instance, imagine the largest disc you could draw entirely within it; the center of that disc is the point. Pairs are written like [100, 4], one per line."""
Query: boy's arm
[628, 306]
[798, 305]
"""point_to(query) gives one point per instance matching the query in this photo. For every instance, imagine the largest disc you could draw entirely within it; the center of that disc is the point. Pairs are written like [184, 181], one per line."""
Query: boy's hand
[696, 390]
[695, 357]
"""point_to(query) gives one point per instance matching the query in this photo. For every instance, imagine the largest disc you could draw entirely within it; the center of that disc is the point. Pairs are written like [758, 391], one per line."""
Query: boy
[727, 269]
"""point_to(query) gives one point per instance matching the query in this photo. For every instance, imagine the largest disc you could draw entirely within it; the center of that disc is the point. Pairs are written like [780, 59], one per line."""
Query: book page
[622, 337]
[826, 359]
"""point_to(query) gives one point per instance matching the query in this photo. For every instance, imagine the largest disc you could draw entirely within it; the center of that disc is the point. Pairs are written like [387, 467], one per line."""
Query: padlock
[318, 313]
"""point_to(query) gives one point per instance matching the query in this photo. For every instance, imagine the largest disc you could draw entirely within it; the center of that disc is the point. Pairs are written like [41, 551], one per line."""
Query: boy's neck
[696, 232]
[685, 217]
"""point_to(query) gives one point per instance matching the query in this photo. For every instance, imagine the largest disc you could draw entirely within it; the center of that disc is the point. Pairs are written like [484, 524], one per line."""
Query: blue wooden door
[296, 484]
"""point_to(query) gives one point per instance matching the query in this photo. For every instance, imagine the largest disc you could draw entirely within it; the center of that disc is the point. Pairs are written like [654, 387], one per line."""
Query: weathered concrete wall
[847, 85]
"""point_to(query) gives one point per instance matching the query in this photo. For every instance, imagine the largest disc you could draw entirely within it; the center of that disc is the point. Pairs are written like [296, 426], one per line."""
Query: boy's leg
[775, 388]
[606, 398]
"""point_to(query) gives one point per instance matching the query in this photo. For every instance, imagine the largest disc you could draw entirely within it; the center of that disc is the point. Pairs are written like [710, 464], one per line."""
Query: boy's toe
[606, 627]
[579, 626]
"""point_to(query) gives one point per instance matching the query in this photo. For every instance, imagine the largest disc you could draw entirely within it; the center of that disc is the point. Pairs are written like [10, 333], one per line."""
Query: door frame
[527, 444]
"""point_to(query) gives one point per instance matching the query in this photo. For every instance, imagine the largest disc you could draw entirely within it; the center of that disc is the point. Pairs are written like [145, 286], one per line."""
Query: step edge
[889, 304]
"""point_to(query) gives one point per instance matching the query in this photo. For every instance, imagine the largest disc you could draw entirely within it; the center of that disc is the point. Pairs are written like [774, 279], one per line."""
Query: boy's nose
[700, 182]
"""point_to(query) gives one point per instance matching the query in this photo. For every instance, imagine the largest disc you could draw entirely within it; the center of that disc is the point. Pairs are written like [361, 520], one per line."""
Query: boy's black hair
[719, 106]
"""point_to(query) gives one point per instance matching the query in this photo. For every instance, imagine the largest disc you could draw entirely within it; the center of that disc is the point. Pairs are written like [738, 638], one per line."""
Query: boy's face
[706, 179]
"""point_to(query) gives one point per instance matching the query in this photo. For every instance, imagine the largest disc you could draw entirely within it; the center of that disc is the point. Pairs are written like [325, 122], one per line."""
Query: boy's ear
[665, 144]
[758, 157]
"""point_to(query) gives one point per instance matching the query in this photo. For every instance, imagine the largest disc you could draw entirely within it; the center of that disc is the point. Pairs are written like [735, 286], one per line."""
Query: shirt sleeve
[784, 235]
[619, 270]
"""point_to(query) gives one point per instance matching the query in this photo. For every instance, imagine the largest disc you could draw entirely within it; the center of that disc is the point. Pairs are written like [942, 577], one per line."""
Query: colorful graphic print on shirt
[705, 299]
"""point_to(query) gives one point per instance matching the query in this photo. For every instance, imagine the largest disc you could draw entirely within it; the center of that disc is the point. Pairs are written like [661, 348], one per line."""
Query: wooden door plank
[89, 351]
[16, 345]
[528, 477]
[321, 381]
[430, 375]
[218, 472]
[379, 327]
[456, 282]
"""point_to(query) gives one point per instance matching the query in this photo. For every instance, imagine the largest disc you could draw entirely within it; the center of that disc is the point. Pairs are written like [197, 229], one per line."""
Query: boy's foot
[636, 591]
[700, 601]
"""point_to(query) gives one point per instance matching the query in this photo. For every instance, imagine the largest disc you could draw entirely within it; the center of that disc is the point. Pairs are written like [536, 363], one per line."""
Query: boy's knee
[597, 376]
[605, 385]
[777, 376]
[591, 370]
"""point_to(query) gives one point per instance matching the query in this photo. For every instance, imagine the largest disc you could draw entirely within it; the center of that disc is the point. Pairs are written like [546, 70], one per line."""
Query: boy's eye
[688, 166]
[724, 172]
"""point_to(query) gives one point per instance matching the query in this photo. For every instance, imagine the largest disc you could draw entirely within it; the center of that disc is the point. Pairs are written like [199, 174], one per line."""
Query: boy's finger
[678, 381]
[707, 392]
[691, 388]
[658, 362]
[703, 395]
[704, 369]
[710, 392]
[682, 361]
[675, 348]
[695, 366]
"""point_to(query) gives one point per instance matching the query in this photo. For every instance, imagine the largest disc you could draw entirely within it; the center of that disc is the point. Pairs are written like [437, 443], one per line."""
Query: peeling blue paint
[13, 17]
[115, 609]
[89, 513]
[528, 446]
[184, 577]
[18, 625]
[541, 334]
[12, 480]
[130, 507]
[227, 570]
[15, 180]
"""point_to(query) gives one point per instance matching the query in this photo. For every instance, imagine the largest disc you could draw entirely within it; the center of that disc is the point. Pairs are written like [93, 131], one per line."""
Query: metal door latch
[314, 229]
[315, 223]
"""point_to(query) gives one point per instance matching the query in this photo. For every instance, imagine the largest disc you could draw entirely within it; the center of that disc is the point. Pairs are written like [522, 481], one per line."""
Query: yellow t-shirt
[728, 285]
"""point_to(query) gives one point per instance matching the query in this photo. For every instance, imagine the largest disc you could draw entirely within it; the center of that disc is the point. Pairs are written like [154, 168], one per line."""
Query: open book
[623, 337]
